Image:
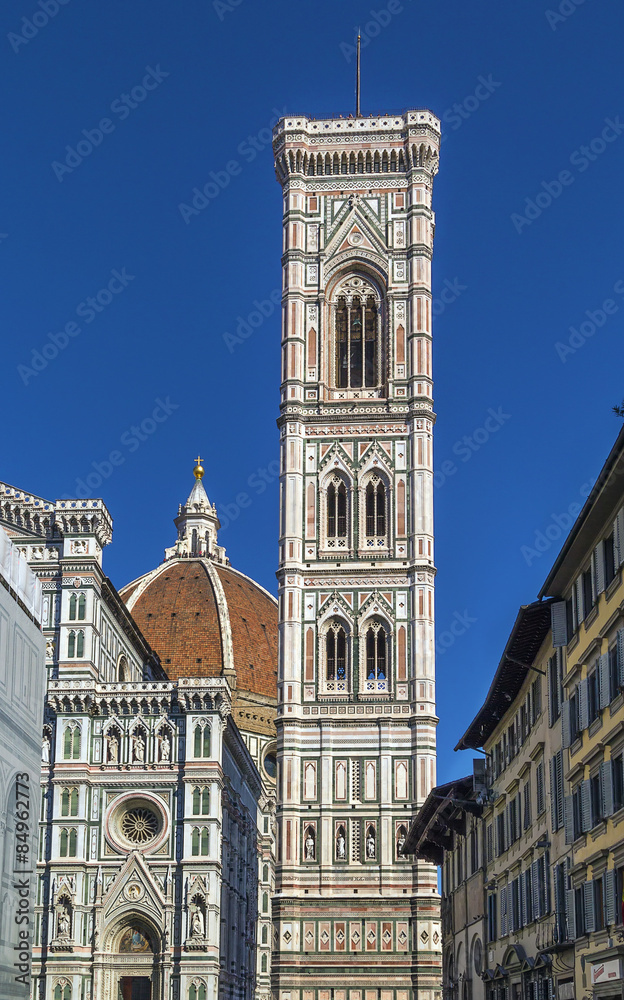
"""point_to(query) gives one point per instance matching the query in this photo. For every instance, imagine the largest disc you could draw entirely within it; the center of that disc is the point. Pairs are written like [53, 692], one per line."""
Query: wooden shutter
[590, 907]
[620, 656]
[535, 897]
[566, 727]
[558, 624]
[612, 915]
[586, 812]
[583, 705]
[571, 913]
[606, 787]
[603, 676]
[618, 533]
[599, 569]
[552, 707]
[553, 794]
[568, 813]
[559, 787]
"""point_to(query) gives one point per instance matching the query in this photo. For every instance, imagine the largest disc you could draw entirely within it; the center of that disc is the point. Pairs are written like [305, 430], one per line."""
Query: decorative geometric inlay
[340, 936]
[387, 936]
[402, 937]
[436, 937]
[371, 935]
[287, 936]
[424, 937]
[355, 937]
[325, 937]
[310, 937]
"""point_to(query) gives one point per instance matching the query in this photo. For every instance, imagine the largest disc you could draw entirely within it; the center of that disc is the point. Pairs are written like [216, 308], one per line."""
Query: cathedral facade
[227, 780]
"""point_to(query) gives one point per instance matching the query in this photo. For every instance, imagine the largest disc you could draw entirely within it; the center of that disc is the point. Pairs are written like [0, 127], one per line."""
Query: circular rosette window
[136, 822]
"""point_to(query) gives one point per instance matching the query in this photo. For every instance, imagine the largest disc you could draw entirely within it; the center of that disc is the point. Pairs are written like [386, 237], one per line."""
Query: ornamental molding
[340, 582]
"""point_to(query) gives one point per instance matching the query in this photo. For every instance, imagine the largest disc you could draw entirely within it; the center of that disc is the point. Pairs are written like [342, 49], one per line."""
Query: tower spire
[197, 523]
[357, 78]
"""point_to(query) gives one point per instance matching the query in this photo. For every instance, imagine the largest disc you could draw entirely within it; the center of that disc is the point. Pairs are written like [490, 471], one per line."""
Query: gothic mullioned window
[356, 342]
[202, 741]
[336, 653]
[356, 360]
[69, 802]
[376, 652]
[375, 508]
[201, 801]
[68, 842]
[337, 509]
[71, 742]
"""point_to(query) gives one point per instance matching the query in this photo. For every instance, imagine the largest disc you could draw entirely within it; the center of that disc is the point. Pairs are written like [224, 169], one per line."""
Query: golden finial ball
[198, 471]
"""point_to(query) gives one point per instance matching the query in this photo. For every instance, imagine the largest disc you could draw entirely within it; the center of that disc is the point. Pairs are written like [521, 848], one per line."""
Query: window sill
[591, 617]
[573, 643]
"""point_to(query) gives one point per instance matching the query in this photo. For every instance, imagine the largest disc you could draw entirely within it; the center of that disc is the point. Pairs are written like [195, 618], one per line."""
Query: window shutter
[558, 886]
[618, 532]
[552, 708]
[524, 918]
[620, 656]
[535, 890]
[553, 795]
[603, 675]
[559, 787]
[566, 728]
[586, 816]
[599, 569]
[570, 913]
[568, 810]
[559, 624]
[583, 705]
[606, 788]
[590, 909]
[503, 910]
[546, 871]
[610, 897]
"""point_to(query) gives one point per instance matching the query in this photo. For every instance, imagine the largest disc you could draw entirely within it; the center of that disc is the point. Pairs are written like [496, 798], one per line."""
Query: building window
[609, 559]
[526, 791]
[536, 698]
[337, 509]
[200, 841]
[336, 657]
[617, 772]
[73, 603]
[540, 799]
[69, 802]
[593, 703]
[375, 508]
[265, 962]
[376, 641]
[201, 801]
[68, 843]
[588, 595]
[82, 608]
[62, 991]
[596, 803]
[201, 747]
[474, 850]
[356, 342]
[71, 743]
[197, 990]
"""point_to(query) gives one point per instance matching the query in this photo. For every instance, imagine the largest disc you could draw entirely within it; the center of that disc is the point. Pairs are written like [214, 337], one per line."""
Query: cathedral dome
[205, 619]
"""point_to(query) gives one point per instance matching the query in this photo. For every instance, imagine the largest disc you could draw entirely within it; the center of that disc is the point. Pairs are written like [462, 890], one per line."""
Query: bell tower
[355, 919]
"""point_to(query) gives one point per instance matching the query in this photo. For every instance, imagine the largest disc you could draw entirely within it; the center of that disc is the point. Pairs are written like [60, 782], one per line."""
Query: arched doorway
[135, 960]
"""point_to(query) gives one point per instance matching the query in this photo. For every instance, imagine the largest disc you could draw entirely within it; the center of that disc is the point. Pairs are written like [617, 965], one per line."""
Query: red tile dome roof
[205, 619]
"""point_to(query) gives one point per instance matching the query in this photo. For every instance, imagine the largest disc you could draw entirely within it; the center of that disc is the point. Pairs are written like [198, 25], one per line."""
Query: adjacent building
[22, 689]
[545, 849]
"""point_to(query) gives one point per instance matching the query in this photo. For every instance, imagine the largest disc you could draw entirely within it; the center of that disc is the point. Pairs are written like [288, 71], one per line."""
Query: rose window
[139, 825]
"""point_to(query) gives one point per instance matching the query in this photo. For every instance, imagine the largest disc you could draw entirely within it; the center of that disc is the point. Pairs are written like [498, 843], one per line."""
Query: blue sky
[529, 205]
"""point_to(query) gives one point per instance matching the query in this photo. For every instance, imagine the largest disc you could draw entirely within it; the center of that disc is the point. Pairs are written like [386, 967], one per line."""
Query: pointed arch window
[197, 991]
[356, 335]
[82, 607]
[376, 652]
[73, 603]
[337, 508]
[205, 801]
[265, 934]
[375, 508]
[202, 741]
[71, 645]
[80, 637]
[336, 652]
[71, 743]
[69, 802]
[204, 841]
[62, 991]
[195, 841]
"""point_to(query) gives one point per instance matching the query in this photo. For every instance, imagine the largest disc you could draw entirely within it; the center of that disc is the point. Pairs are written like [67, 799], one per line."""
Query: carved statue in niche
[63, 922]
[309, 845]
[341, 844]
[165, 747]
[370, 843]
[197, 923]
[45, 749]
[138, 748]
[49, 649]
[112, 746]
